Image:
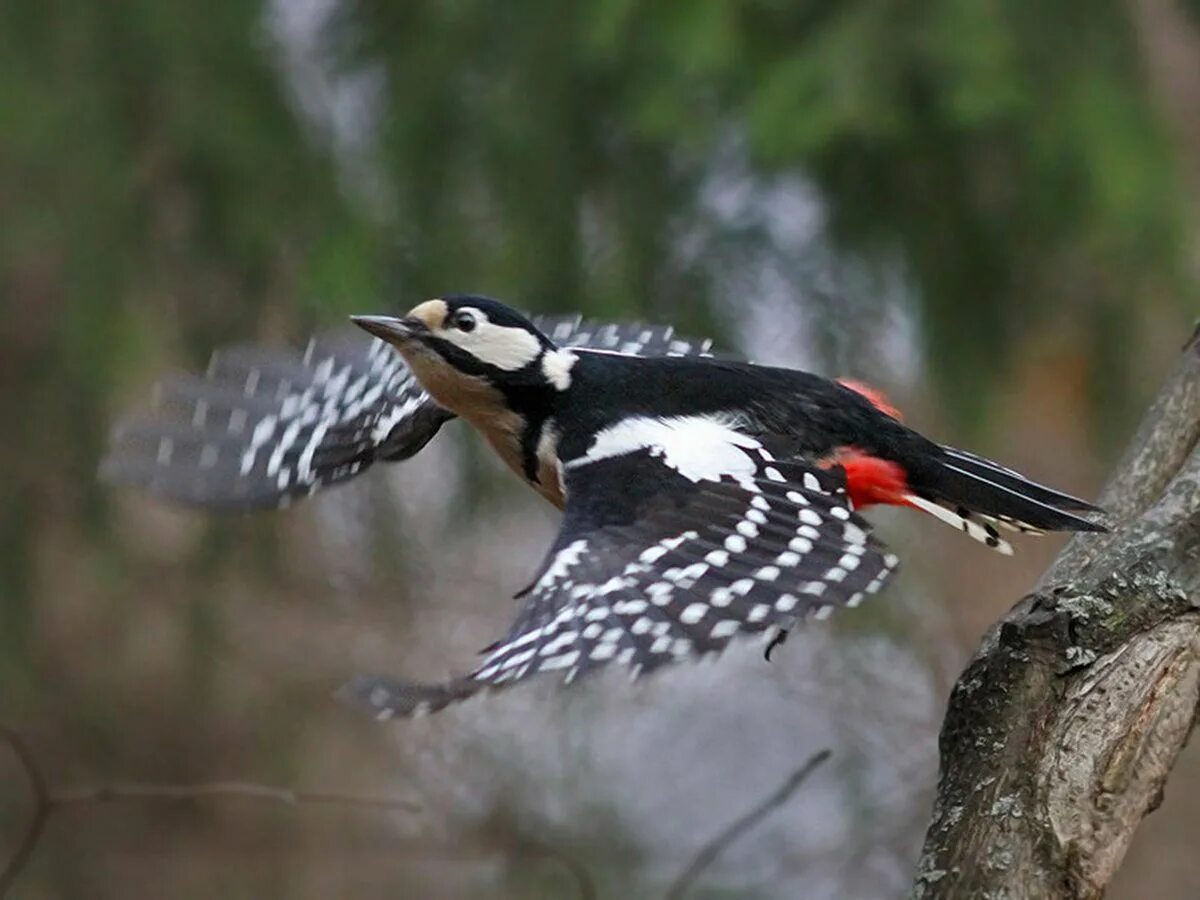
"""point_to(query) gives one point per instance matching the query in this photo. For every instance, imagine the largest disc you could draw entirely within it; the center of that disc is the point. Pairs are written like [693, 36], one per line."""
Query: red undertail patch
[870, 479]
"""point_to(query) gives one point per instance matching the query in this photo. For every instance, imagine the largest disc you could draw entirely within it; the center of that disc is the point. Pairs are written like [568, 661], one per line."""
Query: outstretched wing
[264, 426]
[633, 338]
[676, 538]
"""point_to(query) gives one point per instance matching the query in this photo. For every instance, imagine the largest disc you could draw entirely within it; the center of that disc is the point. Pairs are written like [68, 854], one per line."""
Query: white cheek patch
[505, 348]
[700, 448]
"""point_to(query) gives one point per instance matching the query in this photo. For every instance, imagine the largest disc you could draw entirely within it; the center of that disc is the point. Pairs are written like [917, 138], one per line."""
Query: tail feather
[1001, 476]
[1013, 525]
[965, 521]
[977, 493]
[999, 495]
[980, 497]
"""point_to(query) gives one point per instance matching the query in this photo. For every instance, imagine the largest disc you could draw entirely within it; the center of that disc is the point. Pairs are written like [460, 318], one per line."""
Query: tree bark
[1061, 733]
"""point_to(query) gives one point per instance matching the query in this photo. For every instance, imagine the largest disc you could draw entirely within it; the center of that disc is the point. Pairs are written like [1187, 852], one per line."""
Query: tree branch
[46, 801]
[710, 851]
[42, 806]
[116, 793]
[572, 866]
[1061, 733]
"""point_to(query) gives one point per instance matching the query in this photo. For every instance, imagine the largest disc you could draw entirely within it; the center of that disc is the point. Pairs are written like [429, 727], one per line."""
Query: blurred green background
[988, 208]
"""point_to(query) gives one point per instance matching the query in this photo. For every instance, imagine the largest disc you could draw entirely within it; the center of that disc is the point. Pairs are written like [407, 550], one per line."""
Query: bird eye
[464, 321]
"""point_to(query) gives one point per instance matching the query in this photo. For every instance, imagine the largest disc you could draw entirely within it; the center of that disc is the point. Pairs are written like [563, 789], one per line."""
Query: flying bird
[703, 497]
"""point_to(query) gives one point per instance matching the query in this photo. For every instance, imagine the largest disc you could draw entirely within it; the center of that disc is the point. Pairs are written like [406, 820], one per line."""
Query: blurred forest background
[986, 207]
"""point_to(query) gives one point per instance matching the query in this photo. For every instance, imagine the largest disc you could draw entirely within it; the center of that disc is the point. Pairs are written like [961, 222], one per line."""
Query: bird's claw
[778, 641]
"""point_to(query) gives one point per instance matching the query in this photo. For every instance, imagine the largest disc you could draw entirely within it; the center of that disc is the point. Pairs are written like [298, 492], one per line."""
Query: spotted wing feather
[265, 426]
[678, 574]
[633, 338]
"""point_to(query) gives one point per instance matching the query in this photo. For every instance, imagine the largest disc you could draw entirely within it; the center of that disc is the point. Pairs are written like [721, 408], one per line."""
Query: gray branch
[1061, 733]
[46, 802]
[739, 828]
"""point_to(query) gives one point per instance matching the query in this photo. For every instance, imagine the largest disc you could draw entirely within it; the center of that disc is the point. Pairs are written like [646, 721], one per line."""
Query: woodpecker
[703, 497]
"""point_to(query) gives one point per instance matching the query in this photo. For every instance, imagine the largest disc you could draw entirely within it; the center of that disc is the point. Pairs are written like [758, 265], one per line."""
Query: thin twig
[573, 867]
[717, 845]
[42, 807]
[46, 802]
[116, 793]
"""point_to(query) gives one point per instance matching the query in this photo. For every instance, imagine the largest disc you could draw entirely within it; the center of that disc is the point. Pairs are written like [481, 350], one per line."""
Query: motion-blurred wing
[663, 555]
[633, 338]
[264, 426]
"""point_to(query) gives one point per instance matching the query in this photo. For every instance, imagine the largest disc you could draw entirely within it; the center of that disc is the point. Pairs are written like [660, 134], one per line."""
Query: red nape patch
[870, 479]
[877, 398]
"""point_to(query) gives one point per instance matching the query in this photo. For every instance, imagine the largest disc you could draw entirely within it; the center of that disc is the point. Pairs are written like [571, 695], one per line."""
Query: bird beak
[390, 328]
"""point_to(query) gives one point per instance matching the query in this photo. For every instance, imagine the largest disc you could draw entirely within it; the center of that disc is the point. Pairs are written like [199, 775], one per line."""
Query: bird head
[462, 346]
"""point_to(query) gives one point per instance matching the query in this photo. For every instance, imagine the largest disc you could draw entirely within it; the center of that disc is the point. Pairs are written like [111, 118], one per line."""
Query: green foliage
[163, 192]
[1002, 148]
[157, 187]
[162, 185]
[553, 154]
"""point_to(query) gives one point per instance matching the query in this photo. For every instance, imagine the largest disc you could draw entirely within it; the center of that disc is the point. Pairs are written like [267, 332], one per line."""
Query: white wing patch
[700, 448]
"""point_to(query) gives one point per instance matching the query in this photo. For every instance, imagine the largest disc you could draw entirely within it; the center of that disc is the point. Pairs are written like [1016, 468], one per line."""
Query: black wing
[652, 567]
[264, 426]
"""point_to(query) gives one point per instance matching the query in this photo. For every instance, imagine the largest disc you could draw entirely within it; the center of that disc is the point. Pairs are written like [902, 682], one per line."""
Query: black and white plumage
[264, 426]
[703, 499]
[659, 560]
